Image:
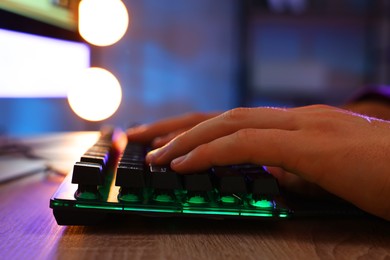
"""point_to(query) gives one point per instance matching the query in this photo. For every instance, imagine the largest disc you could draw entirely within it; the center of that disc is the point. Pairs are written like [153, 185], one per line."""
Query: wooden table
[28, 231]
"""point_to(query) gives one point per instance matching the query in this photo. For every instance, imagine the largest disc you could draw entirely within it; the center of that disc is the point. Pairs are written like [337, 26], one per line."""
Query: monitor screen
[40, 49]
[38, 66]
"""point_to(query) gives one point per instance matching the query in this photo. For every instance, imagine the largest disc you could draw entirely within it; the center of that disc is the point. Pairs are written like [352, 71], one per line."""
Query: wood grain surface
[28, 231]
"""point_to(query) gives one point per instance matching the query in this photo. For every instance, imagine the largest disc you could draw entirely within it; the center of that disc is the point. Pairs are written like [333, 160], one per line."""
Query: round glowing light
[102, 22]
[95, 95]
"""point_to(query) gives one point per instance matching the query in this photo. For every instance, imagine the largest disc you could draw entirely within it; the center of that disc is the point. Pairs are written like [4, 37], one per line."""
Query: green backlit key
[86, 173]
[198, 187]
[197, 182]
[130, 176]
[164, 178]
[231, 185]
[230, 180]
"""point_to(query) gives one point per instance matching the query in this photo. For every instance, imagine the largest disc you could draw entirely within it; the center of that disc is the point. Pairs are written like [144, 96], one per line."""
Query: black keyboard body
[109, 182]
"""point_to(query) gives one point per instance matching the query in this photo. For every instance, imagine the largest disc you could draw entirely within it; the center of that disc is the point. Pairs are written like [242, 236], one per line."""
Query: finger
[146, 133]
[245, 146]
[258, 146]
[163, 140]
[224, 124]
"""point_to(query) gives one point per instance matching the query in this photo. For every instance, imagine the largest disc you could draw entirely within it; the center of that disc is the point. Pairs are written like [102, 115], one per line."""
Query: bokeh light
[95, 95]
[102, 22]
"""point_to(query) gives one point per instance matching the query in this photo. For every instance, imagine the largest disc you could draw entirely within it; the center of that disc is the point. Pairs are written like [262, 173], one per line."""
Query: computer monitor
[37, 61]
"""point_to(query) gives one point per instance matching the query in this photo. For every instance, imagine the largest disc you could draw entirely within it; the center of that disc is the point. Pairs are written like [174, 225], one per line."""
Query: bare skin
[344, 153]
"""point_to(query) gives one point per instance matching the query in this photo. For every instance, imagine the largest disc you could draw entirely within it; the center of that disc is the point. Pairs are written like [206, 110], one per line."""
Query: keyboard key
[265, 186]
[130, 176]
[197, 182]
[94, 159]
[198, 188]
[87, 174]
[131, 162]
[104, 154]
[164, 178]
[232, 184]
[230, 180]
[262, 183]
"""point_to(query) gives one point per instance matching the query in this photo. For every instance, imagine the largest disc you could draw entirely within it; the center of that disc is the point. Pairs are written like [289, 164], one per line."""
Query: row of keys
[227, 186]
[92, 169]
[131, 168]
[227, 180]
[134, 176]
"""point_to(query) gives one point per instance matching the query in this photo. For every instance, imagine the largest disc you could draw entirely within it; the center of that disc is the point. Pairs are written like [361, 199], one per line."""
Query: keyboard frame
[94, 208]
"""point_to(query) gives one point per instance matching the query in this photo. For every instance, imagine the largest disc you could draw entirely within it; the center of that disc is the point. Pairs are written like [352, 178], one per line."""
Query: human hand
[161, 132]
[342, 152]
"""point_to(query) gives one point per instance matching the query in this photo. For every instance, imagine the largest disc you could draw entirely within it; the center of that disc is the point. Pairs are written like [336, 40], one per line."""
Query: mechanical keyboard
[109, 181]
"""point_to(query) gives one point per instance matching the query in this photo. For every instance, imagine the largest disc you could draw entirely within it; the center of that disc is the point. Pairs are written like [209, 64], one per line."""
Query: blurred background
[195, 55]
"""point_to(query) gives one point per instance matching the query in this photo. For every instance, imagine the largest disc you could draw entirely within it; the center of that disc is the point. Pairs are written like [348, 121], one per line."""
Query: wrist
[372, 101]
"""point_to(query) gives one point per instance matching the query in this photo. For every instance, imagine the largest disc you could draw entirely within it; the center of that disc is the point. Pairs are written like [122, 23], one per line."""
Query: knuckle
[196, 116]
[320, 107]
[236, 113]
[245, 135]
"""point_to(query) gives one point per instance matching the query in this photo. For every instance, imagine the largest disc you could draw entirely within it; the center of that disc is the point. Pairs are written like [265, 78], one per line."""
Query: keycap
[232, 184]
[130, 176]
[230, 180]
[198, 188]
[131, 162]
[265, 185]
[85, 173]
[104, 154]
[164, 178]
[197, 182]
[94, 159]
[134, 148]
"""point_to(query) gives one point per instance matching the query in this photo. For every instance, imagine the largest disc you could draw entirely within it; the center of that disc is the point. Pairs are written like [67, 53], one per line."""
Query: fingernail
[153, 156]
[179, 160]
